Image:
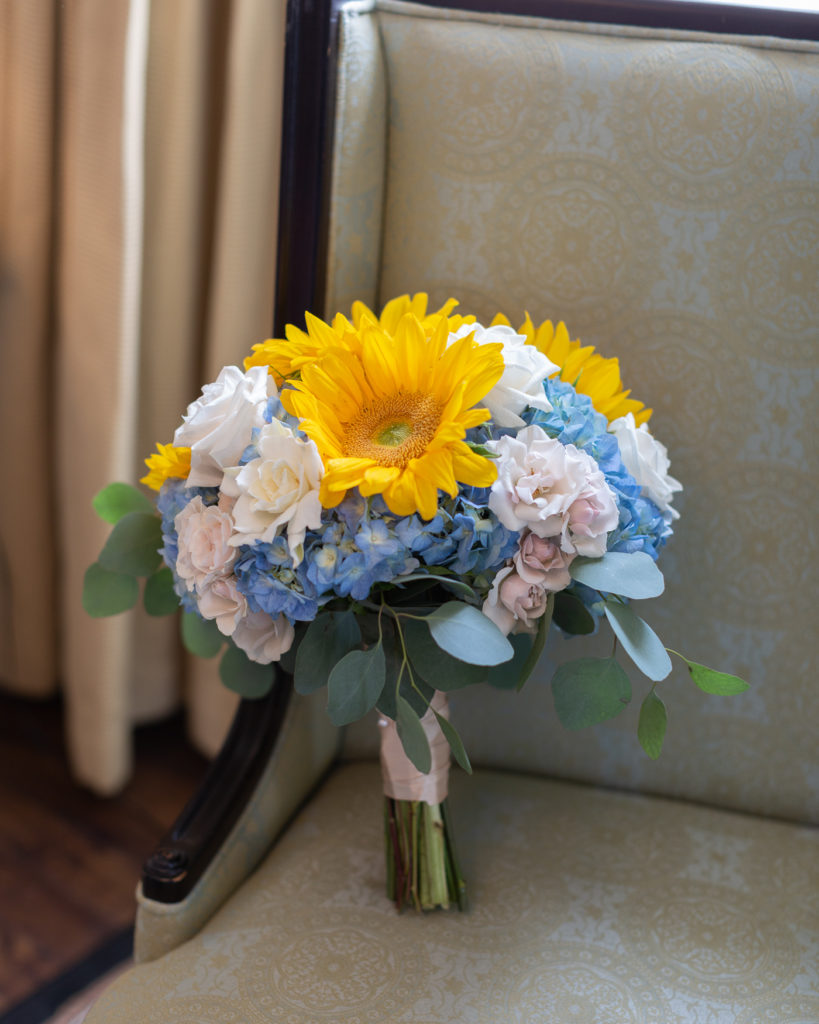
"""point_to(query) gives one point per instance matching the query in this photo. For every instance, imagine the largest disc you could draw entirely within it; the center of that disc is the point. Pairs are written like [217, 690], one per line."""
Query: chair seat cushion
[588, 906]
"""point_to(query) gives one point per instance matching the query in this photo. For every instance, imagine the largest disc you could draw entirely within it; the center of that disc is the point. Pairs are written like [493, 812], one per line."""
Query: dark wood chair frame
[309, 101]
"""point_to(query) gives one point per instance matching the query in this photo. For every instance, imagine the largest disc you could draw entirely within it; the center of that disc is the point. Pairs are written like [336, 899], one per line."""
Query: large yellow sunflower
[287, 356]
[589, 372]
[389, 413]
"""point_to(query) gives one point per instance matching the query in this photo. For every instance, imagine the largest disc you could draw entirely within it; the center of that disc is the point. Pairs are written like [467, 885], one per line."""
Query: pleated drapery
[139, 150]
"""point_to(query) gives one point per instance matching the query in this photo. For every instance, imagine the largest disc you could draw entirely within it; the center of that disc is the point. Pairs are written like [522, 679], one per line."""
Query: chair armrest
[187, 849]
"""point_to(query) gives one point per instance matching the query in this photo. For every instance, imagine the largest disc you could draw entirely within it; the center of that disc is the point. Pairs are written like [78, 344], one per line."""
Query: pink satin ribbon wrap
[402, 780]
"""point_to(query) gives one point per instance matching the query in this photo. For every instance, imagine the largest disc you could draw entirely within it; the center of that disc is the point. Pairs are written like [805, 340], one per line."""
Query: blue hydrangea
[266, 577]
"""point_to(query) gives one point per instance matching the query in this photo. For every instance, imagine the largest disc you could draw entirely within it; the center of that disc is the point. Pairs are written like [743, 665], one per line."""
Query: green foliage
[287, 662]
[412, 736]
[243, 676]
[639, 641]
[160, 597]
[329, 637]
[572, 615]
[629, 575]
[201, 636]
[117, 500]
[589, 690]
[107, 593]
[355, 684]
[481, 449]
[133, 545]
[719, 683]
[540, 642]
[454, 741]
[652, 724]
[436, 666]
[467, 634]
[507, 675]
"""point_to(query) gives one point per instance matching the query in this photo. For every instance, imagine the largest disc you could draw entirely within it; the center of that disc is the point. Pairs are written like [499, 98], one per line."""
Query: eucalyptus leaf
[412, 736]
[243, 676]
[506, 676]
[416, 693]
[355, 685]
[639, 641]
[107, 593]
[201, 636]
[435, 666]
[589, 690]
[287, 662]
[540, 642]
[458, 587]
[720, 684]
[467, 634]
[329, 637]
[133, 545]
[454, 741]
[652, 725]
[159, 597]
[571, 615]
[632, 574]
[393, 657]
[117, 500]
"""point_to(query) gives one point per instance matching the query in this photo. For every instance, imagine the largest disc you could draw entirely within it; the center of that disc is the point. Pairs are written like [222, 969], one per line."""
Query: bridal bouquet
[398, 506]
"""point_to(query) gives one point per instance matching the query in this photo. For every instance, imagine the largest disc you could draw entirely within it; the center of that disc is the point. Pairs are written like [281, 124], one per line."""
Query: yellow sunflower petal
[167, 461]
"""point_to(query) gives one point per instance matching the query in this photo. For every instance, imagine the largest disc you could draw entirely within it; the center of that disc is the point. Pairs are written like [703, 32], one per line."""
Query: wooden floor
[70, 861]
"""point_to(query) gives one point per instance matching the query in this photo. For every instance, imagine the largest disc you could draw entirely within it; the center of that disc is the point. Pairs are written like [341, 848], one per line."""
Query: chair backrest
[657, 191]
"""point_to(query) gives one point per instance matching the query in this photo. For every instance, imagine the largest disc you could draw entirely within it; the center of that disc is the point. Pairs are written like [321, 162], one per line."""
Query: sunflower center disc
[394, 429]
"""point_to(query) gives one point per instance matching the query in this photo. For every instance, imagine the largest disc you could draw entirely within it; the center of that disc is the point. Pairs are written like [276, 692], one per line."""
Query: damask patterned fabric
[659, 192]
[588, 908]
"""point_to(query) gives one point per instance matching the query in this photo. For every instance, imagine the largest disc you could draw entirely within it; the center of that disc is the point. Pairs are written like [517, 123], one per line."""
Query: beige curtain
[139, 150]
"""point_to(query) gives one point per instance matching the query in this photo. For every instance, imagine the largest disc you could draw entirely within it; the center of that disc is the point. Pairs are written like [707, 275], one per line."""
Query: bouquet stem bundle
[422, 867]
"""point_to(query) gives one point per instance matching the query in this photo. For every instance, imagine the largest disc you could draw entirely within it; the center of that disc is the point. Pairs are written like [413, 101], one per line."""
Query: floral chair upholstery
[659, 192]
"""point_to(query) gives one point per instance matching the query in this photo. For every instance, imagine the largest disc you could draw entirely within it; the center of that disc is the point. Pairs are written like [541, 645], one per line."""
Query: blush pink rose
[204, 552]
[222, 602]
[540, 560]
[552, 490]
[513, 604]
[262, 638]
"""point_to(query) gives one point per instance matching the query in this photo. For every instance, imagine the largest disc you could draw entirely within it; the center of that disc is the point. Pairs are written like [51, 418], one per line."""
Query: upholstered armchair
[658, 190]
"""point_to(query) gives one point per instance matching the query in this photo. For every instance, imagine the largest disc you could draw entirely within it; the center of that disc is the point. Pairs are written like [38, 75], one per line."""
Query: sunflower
[389, 413]
[590, 373]
[286, 356]
[166, 461]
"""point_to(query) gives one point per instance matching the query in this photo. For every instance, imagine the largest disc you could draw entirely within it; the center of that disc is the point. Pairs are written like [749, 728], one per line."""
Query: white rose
[279, 488]
[221, 601]
[262, 638]
[647, 461]
[525, 369]
[217, 427]
[204, 533]
[554, 490]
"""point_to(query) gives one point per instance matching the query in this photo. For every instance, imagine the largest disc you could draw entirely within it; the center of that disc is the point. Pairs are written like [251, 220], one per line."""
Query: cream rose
[554, 490]
[525, 369]
[217, 427]
[262, 638]
[541, 561]
[204, 533]
[221, 601]
[513, 604]
[278, 489]
[647, 461]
